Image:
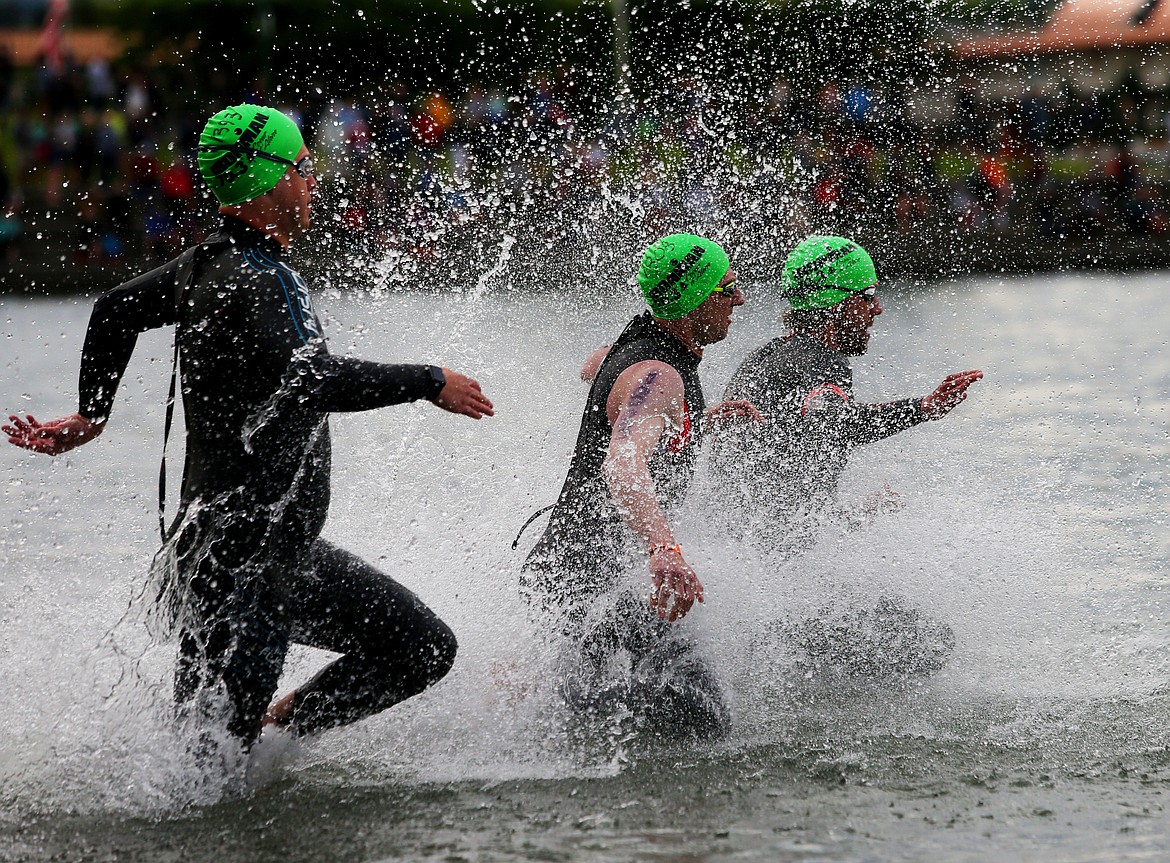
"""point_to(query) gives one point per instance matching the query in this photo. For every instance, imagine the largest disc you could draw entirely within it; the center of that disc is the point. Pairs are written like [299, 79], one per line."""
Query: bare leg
[280, 712]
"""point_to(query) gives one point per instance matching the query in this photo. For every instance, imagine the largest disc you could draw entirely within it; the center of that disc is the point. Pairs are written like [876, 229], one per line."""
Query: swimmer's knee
[407, 672]
[443, 649]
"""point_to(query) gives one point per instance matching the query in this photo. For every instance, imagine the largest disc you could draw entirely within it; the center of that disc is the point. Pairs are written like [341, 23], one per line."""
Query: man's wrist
[664, 548]
[438, 380]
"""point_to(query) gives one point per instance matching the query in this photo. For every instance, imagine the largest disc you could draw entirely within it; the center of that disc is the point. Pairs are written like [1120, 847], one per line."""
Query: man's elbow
[617, 471]
[623, 474]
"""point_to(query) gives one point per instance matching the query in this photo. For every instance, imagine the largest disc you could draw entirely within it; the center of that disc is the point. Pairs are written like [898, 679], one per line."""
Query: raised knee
[443, 648]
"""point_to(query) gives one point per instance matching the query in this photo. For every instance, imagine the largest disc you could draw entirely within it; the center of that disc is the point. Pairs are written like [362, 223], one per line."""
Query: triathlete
[248, 571]
[634, 459]
[785, 472]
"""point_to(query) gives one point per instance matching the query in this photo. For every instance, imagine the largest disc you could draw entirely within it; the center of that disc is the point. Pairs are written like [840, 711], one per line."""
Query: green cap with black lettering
[245, 150]
[822, 271]
[680, 271]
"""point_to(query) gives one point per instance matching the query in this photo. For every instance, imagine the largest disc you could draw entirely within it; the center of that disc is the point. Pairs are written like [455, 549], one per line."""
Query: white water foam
[1023, 549]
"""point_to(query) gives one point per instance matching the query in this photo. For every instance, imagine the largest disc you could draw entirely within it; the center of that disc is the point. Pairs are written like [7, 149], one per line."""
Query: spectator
[851, 155]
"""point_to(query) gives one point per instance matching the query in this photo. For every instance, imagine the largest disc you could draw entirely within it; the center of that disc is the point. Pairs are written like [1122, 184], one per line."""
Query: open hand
[949, 393]
[673, 576]
[53, 437]
[462, 395]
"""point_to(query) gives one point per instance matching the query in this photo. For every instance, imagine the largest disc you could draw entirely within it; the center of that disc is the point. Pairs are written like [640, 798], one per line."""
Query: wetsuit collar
[653, 323]
[243, 234]
[815, 344]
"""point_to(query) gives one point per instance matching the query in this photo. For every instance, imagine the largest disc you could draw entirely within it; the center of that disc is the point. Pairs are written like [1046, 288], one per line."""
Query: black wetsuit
[786, 472]
[579, 571]
[248, 571]
[783, 477]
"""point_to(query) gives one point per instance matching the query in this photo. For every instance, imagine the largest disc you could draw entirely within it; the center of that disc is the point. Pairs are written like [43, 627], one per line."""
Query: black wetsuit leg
[233, 637]
[671, 687]
[394, 646]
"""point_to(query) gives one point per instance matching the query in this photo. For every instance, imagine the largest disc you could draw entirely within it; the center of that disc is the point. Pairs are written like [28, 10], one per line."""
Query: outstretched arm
[118, 317]
[647, 399]
[341, 384]
[832, 413]
[346, 384]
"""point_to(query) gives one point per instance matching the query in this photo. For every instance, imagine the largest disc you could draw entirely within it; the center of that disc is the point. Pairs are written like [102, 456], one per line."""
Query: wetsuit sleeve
[874, 422]
[119, 315]
[339, 384]
[288, 326]
[831, 414]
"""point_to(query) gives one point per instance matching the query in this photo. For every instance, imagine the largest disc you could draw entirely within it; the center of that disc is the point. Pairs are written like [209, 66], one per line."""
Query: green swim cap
[823, 271]
[229, 149]
[679, 272]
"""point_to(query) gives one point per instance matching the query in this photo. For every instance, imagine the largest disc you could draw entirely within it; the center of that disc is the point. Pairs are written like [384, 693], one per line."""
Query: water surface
[1034, 523]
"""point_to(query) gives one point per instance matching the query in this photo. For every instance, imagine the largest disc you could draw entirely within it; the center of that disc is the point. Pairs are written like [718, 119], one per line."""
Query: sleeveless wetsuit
[586, 535]
[248, 572]
[786, 471]
[574, 574]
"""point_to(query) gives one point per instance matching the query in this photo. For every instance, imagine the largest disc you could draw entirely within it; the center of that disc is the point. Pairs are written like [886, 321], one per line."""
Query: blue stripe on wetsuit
[305, 300]
[301, 316]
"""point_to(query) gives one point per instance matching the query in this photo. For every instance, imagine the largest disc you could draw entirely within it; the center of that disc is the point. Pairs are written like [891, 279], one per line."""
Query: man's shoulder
[763, 363]
[230, 263]
[639, 342]
[164, 272]
[642, 380]
[784, 367]
[788, 354]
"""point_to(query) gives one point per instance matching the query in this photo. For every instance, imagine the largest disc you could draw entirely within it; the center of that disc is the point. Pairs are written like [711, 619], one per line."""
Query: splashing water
[1023, 546]
[496, 274]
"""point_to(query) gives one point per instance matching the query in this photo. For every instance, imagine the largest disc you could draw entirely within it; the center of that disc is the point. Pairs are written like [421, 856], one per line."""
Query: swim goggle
[303, 166]
[729, 289]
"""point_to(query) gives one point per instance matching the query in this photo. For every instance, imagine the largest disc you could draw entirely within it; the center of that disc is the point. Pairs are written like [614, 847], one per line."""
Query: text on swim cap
[231, 166]
[667, 290]
[254, 129]
[816, 273]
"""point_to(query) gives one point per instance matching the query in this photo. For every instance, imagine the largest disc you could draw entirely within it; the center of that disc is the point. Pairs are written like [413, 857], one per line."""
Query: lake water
[1034, 522]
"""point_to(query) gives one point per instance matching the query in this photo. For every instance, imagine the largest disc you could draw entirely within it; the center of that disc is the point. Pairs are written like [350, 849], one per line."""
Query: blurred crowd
[105, 157]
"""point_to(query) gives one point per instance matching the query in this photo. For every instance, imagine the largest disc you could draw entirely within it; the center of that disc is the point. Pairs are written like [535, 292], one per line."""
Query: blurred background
[454, 137]
[477, 152]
